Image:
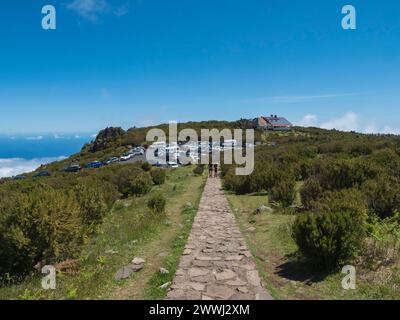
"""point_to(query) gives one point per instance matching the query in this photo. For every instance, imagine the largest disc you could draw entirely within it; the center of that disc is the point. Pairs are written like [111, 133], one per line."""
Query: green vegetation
[154, 290]
[131, 229]
[333, 235]
[156, 203]
[52, 219]
[158, 176]
[335, 194]
[198, 169]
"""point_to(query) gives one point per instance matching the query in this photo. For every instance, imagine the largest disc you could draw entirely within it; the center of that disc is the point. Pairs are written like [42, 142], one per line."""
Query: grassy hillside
[129, 230]
[332, 199]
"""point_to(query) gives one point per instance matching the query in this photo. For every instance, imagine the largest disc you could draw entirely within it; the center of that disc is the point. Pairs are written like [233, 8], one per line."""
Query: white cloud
[370, 128]
[121, 11]
[348, 122]
[93, 9]
[389, 130]
[89, 9]
[34, 138]
[309, 120]
[15, 166]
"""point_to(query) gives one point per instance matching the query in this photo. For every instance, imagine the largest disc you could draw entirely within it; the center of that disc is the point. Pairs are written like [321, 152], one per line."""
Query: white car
[173, 164]
[139, 153]
[126, 157]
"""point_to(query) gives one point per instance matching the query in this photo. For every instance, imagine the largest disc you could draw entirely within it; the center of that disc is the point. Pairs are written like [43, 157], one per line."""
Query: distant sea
[20, 154]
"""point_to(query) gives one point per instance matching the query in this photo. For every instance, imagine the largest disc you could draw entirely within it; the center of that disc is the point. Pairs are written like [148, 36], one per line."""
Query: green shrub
[92, 205]
[199, 169]
[158, 176]
[310, 192]
[109, 192]
[241, 184]
[283, 191]
[44, 224]
[389, 159]
[123, 178]
[146, 166]
[334, 234]
[335, 174]
[157, 203]
[140, 185]
[383, 195]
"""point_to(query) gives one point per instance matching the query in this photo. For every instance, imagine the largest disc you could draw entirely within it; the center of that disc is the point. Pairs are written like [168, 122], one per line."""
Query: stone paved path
[216, 264]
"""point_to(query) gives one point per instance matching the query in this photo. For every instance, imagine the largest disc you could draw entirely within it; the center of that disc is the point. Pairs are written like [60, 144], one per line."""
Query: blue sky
[142, 62]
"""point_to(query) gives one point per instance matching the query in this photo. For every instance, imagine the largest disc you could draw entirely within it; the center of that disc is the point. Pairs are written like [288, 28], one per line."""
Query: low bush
[140, 185]
[310, 192]
[199, 169]
[157, 203]
[334, 234]
[283, 191]
[158, 176]
[146, 166]
[383, 195]
[92, 205]
[123, 178]
[44, 224]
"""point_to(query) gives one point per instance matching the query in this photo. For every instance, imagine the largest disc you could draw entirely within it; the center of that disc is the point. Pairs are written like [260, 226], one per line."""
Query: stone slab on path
[216, 263]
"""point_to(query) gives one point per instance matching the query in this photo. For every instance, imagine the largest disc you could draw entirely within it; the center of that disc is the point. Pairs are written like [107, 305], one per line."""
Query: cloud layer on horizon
[15, 166]
[350, 121]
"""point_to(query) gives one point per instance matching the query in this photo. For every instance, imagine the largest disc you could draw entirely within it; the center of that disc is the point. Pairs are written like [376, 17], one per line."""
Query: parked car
[138, 153]
[126, 157]
[73, 168]
[172, 164]
[94, 164]
[44, 173]
[20, 177]
[112, 160]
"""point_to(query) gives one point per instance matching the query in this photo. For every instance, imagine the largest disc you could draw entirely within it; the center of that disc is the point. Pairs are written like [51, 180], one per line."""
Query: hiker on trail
[215, 170]
[210, 170]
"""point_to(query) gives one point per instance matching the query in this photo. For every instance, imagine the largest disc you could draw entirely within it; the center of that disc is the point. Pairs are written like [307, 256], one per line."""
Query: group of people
[213, 170]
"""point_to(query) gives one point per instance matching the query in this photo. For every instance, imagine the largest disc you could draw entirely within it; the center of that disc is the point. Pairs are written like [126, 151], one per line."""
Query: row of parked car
[138, 151]
[75, 167]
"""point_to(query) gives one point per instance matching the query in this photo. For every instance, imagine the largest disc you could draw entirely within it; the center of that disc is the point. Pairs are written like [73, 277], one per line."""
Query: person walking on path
[210, 170]
[215, 170]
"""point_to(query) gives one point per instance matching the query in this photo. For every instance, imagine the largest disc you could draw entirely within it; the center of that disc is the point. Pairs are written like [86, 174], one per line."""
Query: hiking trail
[216, 263]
